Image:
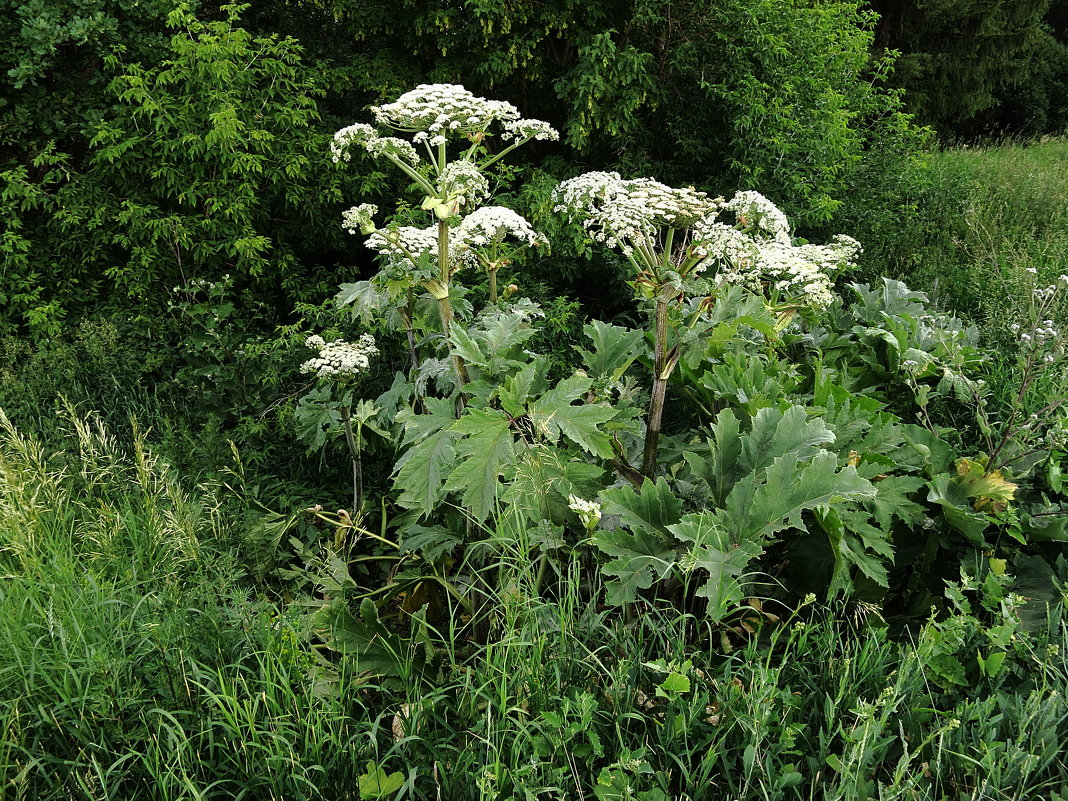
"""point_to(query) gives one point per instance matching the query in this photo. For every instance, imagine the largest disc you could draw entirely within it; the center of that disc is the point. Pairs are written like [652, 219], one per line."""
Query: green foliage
[958, 59]
[692, 93]
[205, 163]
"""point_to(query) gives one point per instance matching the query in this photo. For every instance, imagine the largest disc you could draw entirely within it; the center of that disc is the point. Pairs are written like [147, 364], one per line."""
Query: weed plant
[135, 662]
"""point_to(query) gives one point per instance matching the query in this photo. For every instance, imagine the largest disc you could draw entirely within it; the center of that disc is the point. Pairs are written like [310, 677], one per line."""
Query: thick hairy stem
[493, 285]
[441, 295]
[409, 331]
[357, 469]
[661, 373]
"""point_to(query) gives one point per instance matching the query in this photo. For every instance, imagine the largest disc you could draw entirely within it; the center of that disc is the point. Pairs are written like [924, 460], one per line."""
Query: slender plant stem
[409, 331]
[357, 468]
[661, 373]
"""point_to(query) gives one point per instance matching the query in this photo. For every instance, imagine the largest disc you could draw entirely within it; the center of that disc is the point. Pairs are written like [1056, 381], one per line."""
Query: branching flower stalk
[341, 363]
[673, 237]
[1043, 347]
[434, 114]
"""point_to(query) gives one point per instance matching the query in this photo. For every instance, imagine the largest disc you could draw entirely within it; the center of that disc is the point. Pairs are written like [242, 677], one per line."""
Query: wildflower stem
[445, 305]
[661, 373]
[357, 469]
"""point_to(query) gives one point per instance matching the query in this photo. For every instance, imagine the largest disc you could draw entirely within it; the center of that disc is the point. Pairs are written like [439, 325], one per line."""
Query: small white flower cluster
[529, 129]
[805, 271]
[490, 225]
[365, 136]
[398, 243]
[752, 209]
[463, 183]
[626, 214]
[589, 512]
[339, 360]
[358, 218]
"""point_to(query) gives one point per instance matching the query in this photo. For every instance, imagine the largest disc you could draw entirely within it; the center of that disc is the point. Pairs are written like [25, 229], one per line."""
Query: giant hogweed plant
[494, 456]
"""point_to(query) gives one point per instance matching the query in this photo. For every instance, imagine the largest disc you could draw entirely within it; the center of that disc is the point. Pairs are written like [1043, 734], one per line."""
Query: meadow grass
[137, 662]
[975, 219]
[150, 648]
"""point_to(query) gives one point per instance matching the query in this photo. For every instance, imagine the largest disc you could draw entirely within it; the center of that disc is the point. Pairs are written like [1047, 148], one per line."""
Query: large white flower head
[803, 274]
[628, 213]
[491, 225]
[339, 360]
[443, 109]
[728, 249]
[754, 211]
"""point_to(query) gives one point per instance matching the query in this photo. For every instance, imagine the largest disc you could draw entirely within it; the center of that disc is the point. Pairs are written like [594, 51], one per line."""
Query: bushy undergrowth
[134, 663]
[777, 536]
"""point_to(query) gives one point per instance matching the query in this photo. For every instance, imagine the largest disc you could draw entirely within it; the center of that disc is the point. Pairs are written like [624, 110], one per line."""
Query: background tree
[960, 61]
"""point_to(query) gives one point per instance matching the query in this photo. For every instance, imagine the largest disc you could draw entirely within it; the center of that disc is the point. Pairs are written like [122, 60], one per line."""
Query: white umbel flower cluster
[754, 211]
[529, 129]
[626, 214]
[443, 109]
[463, 183]
[365, 136]
[803, 272]
[723, 245]
[401, 243]
[589, 512]
[358, 218]
[339, 360]
[490, 225]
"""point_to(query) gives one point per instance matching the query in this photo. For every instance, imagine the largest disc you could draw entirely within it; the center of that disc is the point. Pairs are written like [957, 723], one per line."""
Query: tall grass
[970, 224]
[133, 663]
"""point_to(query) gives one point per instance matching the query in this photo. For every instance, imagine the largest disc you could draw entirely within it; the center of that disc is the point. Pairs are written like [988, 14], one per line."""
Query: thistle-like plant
[683, 254]
[461, 233]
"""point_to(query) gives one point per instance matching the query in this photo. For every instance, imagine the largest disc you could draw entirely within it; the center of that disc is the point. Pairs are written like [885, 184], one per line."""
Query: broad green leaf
[713, 551]
[891, 500]
[774, 434]
[317, 417]
[422, 470]
[377, 784]
[486, 450]
[757, 509]
[640, 559]
[430, 542]
[721, 470]
[373, 647]
[520, 387]
[851, 537]
[1045, 526]
[440, 414]
[465, 346]
[957, 509]
[366, 300]
[614, 349]
[654, 509]
[553, 415]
